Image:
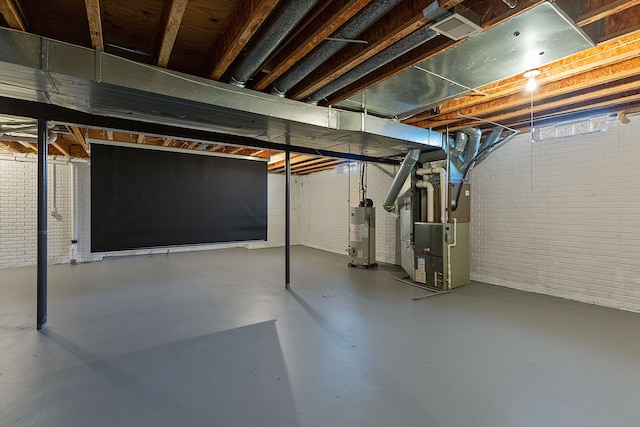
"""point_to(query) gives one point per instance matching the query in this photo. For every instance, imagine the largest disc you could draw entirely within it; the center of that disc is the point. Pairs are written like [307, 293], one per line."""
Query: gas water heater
[362, 237]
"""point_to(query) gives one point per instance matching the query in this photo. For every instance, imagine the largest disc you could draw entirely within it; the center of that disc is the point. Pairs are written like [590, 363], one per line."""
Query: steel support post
[287, 226]
[42, 225]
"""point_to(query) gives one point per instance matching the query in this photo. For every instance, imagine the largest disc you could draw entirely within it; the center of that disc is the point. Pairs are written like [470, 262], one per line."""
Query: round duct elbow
[275, 91]
[237, 83]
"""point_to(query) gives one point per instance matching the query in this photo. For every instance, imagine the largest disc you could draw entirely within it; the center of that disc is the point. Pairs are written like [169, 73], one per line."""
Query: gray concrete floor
[213, 339]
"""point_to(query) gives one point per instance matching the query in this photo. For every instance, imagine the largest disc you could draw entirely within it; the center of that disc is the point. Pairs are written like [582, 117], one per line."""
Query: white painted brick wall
[562, 217]
[327, 198]
[18, 212]
[18, 215]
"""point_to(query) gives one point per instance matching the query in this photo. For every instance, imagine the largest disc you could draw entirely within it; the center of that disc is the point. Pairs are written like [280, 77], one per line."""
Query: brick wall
[18, 211]
[562, 217]
[18, 214]
[326, 201]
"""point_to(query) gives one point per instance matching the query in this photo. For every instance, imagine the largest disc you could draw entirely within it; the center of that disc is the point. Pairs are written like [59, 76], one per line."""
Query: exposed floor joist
[332, 19]
[243, 23]
[169, 32]
[95, 22]
[12, 15]
[404, 20]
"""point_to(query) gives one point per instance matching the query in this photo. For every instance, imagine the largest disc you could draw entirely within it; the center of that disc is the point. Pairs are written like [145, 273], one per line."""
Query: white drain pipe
[430, 192]
[449, 246]
[444, 187]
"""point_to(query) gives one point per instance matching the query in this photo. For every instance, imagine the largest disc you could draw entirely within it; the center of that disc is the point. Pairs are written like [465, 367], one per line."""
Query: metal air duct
[405, 169]
[394, 51]
[287, 16]
[360, 22]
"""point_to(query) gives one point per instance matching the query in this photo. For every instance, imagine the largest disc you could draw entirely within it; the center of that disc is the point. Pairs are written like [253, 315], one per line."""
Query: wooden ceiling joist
[95, 23]
[581, 101]
[9, 9]
[331, 19]
[604, 55]
[301, 162]
[243, 23]
[169, 32]
[62, 147]
[79, 138]
[605, 10]
[420, 54]
[583, 81]
[167, 141]
[294, 159]
[402, 21]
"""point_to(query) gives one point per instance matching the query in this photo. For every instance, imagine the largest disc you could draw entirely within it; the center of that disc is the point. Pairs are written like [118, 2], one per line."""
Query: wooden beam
[11, 12]
[397, 24]
[62, 147]
[171, 25]
[330, 20]
[17, 147]
[601, 56]
[582, 81]
[327, 164]
[167, 142]
[301, 161]
[582, 100]
[606, 10]
[296, 158]
[260, 153]
[110, 135]
[242, 24]
[237, 150]
[192, 145]
[79, 138]
[95, 23]
[141, 139]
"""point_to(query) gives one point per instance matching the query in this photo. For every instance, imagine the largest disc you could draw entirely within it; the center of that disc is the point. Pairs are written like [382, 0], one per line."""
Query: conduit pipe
[270, 36]
[351, 30]
[444, 187]
[449, 246]
[430, 192]
[74, 235]
[394, 51]
[405, 169]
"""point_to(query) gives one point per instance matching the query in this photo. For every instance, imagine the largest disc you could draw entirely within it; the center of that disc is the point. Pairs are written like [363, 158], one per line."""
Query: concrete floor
[212, 339]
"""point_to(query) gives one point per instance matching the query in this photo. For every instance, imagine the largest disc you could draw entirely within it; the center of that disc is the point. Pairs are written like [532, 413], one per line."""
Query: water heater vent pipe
[444, 186]
[430, 192]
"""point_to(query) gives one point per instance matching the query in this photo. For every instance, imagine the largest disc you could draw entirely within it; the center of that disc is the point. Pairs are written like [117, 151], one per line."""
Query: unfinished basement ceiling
[206, 40]
[536, 37]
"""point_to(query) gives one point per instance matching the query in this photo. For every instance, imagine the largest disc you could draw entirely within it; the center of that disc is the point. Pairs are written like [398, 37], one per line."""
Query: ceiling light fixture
[531, 75]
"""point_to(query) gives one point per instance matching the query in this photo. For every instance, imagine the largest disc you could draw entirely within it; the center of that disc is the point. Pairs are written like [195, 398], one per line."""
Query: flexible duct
[405, 169]
[288, 15]
[430, 192]
[351, 30]
[394, 51]
[444, 187]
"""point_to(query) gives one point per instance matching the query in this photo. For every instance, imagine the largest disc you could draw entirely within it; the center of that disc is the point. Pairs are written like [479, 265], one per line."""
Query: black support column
[42, 224]
[287, 225]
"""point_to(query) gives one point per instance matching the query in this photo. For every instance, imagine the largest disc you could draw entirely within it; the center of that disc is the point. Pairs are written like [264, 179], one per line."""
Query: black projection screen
[142, 198]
